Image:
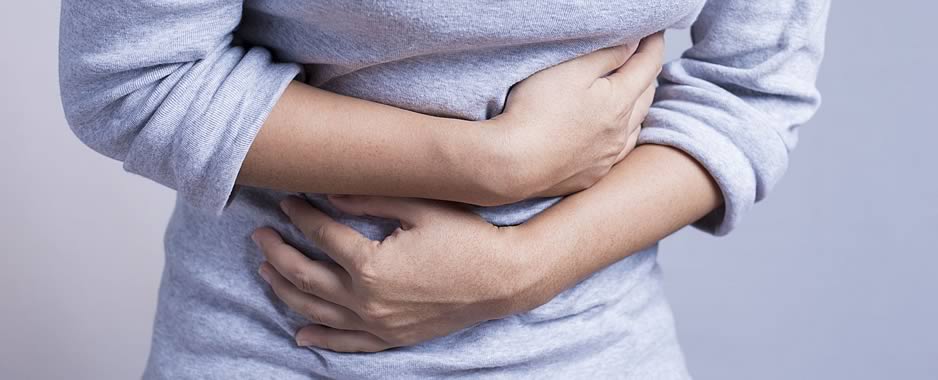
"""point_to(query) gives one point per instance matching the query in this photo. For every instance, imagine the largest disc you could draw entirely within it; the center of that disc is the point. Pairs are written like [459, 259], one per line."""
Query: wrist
[488, 163]
[533, 279]
[513, 171]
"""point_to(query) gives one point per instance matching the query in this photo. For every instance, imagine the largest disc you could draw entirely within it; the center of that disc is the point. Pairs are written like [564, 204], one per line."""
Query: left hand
[445, 269]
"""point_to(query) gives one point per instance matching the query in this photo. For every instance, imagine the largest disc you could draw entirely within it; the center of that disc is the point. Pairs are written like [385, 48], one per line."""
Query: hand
[566, 126]
[445, 269]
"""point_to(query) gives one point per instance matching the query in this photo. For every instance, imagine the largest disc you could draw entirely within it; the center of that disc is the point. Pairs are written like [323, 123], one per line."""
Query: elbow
[105, 107]
[96, 126]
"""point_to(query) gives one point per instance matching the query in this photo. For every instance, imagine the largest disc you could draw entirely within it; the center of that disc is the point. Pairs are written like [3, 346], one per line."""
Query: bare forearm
[558, 133]
[654, 192]
[317, 141]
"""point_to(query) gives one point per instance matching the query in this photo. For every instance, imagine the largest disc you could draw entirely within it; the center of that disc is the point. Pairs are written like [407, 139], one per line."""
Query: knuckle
[304, 281]
[376, 314]
[362, 271]
[310, 312]
[368, 248]
[368, 275]
[320, 233]
[371, 314]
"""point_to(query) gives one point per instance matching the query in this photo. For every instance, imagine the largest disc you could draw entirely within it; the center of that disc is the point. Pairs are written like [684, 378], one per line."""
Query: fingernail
[254, 238]
[303, 342]
[263, 271]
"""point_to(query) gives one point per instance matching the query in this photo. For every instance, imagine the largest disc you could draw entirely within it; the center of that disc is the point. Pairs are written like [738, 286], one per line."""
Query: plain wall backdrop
[835, 276]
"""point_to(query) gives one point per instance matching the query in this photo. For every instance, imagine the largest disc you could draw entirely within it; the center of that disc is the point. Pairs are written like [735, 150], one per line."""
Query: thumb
[409, 211]
[642, 68]
[600, 63]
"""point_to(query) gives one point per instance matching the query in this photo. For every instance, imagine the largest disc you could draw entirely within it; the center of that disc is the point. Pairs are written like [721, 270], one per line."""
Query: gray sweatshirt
[177, 89]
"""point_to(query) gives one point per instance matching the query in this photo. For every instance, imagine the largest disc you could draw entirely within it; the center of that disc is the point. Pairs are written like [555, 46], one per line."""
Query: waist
[212, 302]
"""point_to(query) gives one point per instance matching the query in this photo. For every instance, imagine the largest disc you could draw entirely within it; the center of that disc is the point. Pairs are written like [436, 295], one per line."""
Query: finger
[409, 211]
[640, 108]
[313, 308]
[636, 118]
[641, 69]
[342, 243]
[322, 279]
[629, 145]
[340, 340]
[598, 63]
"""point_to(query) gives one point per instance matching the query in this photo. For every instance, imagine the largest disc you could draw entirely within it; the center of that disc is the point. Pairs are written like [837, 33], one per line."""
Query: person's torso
[448, 58]
[217, 319]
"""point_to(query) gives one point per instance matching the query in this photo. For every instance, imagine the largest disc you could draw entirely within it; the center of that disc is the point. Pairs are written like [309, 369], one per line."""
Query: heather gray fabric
[178, 89]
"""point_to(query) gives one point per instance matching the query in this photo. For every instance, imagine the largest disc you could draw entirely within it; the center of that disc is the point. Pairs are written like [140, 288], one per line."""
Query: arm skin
[413, 154]
[317, 141]
[167, 88]
[654, 192]
[413, 286]
[384, 302]
[732, 103]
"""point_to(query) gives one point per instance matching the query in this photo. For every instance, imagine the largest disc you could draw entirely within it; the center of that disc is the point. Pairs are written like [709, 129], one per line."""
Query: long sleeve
[160, 85]
[735, 99]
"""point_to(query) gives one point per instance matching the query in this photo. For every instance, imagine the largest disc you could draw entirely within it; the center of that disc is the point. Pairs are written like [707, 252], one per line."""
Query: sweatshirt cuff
[241, 106]
[726, 163]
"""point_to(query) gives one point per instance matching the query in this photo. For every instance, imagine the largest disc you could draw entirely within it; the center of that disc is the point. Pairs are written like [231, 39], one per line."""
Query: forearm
[317, 141]
[654, 192]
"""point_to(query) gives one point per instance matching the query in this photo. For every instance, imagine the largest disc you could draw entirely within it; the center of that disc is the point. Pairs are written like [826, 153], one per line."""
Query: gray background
[834, 277]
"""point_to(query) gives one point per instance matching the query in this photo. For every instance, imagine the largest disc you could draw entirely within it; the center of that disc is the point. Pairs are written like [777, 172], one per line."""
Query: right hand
[566, 126]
